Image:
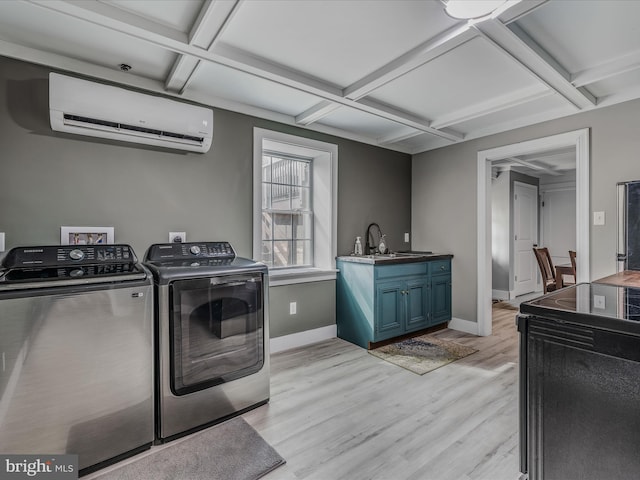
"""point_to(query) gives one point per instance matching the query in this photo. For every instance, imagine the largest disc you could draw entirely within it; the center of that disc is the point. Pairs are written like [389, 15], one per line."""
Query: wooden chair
[547, 271]
[572, 256]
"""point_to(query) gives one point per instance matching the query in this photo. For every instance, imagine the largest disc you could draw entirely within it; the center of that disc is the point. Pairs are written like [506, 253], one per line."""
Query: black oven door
[216, 330]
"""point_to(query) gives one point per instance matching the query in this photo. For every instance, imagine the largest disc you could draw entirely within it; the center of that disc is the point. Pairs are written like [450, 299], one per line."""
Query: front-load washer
[212, 335]
[76, 336]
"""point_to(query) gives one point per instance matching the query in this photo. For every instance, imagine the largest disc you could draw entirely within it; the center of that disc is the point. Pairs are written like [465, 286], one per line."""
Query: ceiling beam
[316, 112]
[212, 19]
[399, 136]
[418, 56]
[618, 66]
[494, 105]
[521, 48]
[534, 166]
[230, 57]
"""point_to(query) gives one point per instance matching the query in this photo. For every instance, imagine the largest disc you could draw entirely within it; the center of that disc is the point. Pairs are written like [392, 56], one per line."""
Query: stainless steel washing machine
[212, 335]
[76, 336]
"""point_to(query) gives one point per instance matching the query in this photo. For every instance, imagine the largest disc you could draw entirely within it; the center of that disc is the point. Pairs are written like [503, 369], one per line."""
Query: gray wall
[444, 187]
[49, 179]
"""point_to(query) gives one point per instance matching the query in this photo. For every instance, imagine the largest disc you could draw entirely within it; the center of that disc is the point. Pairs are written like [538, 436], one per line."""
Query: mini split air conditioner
[87, 108]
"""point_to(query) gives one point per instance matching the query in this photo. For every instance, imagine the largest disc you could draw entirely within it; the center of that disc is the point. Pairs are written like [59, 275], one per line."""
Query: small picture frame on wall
[86, 235]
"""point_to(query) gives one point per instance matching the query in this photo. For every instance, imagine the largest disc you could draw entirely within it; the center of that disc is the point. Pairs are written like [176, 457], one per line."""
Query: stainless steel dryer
[77, 353]
[212, 334]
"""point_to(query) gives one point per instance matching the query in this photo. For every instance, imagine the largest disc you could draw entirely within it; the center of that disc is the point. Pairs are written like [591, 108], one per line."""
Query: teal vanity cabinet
[379, 298]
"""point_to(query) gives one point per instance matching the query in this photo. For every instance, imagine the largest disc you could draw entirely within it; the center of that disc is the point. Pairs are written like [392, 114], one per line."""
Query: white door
[525, 229]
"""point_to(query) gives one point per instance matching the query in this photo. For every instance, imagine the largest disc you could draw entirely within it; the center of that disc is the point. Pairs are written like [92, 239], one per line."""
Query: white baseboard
[503, 294]
[465, 326]
[300, 339]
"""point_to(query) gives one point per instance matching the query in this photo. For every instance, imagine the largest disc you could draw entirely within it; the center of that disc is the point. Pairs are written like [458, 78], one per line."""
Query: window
[287, 215]
[295, 191]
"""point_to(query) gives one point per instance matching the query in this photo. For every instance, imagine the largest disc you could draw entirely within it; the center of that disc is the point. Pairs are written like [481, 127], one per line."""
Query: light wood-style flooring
[337, 412]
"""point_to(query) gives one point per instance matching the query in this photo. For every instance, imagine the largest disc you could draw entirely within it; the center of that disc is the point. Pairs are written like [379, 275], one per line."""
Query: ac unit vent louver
[87, 108]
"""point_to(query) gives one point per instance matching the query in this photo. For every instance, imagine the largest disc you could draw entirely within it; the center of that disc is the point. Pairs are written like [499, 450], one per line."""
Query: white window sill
[299, 275]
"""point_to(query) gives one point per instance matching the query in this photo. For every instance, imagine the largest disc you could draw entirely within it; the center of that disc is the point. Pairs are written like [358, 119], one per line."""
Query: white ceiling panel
[60, 34]
[422, 142]
[583, 34]
[179, 15]
[362, 123]
[245, 89]
[446, 84]
[536, 111]
[336, 41]
[400, 74]
[616, 85]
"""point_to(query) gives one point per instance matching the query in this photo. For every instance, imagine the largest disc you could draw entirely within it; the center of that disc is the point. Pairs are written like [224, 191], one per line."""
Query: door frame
[578, 139]
[513, 273]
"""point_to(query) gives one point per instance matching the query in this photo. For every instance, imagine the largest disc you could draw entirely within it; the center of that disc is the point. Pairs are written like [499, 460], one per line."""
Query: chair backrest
[546, 266]
[572, 256]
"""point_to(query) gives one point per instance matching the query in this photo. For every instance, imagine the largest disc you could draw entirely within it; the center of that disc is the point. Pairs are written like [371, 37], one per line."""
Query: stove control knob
[195, 249]
[76, 254]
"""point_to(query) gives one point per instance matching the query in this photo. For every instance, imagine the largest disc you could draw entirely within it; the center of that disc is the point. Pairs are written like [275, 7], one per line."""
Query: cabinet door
[389, 310]
[418, 300]
[441, 298]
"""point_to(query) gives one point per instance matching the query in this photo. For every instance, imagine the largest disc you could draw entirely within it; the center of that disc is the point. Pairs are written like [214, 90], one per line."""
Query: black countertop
[597, 305]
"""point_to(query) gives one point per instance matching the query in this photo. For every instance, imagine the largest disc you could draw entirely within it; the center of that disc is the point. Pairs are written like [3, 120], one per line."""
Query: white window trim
[325, 186]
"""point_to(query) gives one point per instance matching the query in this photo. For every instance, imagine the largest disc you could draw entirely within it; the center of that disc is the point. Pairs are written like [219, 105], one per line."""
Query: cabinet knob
[442, 267]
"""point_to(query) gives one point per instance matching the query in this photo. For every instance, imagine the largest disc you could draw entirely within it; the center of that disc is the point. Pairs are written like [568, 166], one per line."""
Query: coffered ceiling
[395, 73]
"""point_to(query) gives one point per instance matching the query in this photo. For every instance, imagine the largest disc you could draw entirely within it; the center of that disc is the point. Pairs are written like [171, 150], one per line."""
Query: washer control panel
[182, 251]
[63, 255]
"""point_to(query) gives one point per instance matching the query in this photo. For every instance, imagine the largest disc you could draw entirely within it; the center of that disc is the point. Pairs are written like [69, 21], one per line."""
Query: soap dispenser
[382, 248]
[357, 249]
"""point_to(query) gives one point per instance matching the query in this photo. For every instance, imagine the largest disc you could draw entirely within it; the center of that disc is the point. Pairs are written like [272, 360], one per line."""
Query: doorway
[579, 140]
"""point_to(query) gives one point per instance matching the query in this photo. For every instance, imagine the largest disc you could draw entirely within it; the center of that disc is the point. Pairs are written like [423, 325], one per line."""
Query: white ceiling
[395, 73]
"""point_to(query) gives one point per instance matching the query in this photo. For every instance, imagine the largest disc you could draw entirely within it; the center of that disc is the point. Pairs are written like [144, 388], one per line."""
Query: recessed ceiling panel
[618, 85]
[585, 34]
[179, 15]
[362, 123]
[545, 108]
[423, 142]
[36, 27]
[219, 81]
[471, 74]
[338, 41]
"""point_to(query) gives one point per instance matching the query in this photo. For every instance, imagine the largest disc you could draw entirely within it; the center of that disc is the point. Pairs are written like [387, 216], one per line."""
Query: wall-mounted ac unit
[87, 108]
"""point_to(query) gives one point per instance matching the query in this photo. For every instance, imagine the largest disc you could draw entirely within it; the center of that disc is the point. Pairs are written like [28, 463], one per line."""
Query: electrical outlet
[177, 237]
[293, 308]
[1, 241]
[406, 237]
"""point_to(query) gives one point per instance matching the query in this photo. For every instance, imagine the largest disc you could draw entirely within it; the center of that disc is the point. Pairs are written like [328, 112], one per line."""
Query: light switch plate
[406, 237]
[598, 218]
[599, 302]
[1, 241]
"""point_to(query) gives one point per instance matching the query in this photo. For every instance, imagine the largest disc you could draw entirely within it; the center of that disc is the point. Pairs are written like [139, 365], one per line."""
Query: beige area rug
[422, 354]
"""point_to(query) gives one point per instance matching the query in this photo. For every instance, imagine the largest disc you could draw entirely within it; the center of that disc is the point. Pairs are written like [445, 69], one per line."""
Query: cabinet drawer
[401, 270]
[440, 266]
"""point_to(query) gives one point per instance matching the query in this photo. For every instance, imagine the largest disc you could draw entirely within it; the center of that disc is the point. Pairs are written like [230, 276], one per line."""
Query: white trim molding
[466, 326]
[578, 139]
[301, 339]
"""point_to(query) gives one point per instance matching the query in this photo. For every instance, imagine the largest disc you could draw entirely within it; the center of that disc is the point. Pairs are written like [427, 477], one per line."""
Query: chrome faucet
[369, 248]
